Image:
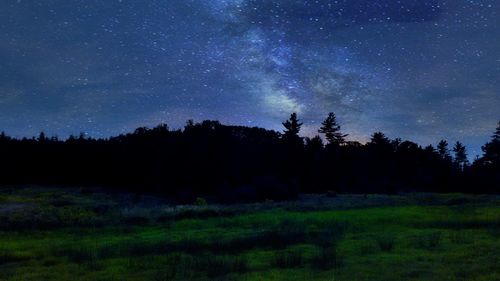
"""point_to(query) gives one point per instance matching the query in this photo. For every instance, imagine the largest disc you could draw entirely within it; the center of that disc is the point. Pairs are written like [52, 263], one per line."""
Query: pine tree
[443, 150]
[496, 135]
[314, 144]
[460, 155]
[379, 138]
[292, 127]
[381, 143]
[161, 128]
[332, 130]
[492, 149]
[42, 137]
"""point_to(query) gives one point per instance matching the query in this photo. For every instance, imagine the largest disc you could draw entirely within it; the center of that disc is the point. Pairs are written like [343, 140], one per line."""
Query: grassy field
[85, 234]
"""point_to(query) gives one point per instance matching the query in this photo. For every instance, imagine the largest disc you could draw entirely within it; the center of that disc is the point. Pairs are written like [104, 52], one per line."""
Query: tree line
[237, 163]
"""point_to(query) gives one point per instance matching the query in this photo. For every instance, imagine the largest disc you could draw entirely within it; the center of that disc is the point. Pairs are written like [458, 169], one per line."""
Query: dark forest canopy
[236, 163]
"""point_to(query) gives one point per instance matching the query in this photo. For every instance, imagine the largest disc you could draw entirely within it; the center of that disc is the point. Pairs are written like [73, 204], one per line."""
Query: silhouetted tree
[430, 149]
[161, 128]
[331, 129]
[492, 149]
[460, 155]
[379, 140]
[496, 134]
[83, 136]
[314, 144]
[42, 137]
[443, 151]
[237, 163]
[292, 128]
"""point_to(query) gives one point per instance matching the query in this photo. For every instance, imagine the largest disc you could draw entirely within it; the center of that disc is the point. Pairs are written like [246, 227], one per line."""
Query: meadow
[90, 234]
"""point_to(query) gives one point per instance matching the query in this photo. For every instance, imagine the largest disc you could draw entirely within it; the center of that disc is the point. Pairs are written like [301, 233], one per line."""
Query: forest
[230, 164]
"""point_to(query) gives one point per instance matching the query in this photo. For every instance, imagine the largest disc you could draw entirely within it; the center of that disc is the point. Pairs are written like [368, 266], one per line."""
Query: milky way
[421, 70]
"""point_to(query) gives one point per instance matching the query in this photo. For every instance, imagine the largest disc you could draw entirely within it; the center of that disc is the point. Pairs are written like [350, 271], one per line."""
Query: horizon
[471, 157]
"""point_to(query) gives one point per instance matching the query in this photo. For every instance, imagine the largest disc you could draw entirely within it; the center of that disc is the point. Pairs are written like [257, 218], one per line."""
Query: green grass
[74, 234]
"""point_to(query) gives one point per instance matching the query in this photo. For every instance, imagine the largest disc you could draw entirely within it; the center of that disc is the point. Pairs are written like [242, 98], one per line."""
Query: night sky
[417, 69]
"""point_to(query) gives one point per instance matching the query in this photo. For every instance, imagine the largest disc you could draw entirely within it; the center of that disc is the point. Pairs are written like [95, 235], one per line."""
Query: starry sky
[422, 70]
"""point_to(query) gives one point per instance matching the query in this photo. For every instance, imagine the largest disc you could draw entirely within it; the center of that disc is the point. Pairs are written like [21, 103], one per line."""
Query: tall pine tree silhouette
[460, 155]
[443, 150]
[492, 149]
[292, 128]
[331, 129]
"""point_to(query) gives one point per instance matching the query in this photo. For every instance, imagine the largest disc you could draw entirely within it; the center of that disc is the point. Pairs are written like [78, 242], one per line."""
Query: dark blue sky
[417, 69]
